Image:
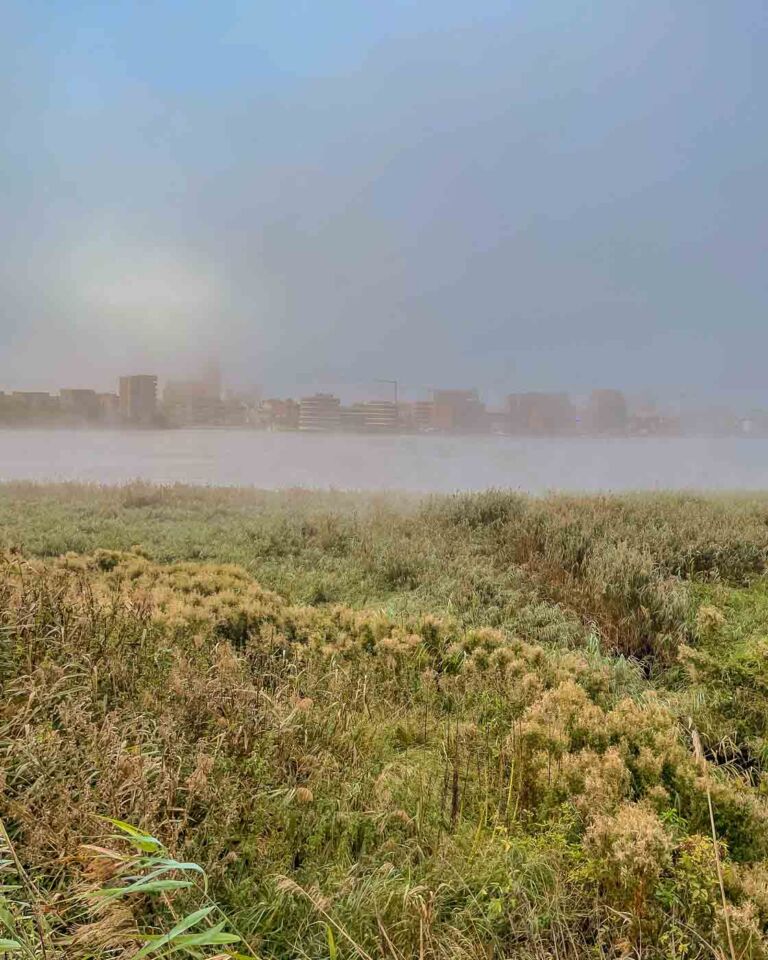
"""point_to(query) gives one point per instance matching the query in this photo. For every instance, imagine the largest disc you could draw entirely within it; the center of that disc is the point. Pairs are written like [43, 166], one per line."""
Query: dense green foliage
[391, 727]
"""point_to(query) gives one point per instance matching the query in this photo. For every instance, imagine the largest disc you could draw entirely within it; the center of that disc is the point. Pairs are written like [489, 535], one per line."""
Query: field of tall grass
[326, 725]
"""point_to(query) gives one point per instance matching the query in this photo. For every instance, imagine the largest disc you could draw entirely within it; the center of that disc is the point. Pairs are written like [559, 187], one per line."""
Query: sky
[502, 195]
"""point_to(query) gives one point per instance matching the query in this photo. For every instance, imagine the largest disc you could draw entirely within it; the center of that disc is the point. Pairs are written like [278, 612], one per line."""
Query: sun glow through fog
[145, 290]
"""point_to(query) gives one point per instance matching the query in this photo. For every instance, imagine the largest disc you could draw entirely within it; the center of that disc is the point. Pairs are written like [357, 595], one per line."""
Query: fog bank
[415, 463]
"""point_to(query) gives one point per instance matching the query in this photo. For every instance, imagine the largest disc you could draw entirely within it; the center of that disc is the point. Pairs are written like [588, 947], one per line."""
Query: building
[192, 403]
[205, 387]
[109, 408]
[138, 400]
[82, 406]
[352, 418]
[35, 401]
[201, 402]
[457, 410]
[380, 416]
[646, 423]
[319, 413]
[645, 419]
[33, 405]
[540, 414]
[374, 416]
[607, 412]
[423, 413]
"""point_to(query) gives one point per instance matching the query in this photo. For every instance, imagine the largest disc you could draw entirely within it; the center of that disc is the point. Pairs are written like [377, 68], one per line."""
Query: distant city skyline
[144, 401]
[685, 396]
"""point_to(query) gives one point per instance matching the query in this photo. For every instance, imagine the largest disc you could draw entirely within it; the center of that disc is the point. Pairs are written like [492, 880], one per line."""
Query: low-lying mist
[421, 463]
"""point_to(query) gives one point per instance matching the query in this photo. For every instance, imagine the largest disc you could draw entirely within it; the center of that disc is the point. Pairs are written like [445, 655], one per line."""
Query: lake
[419, 463]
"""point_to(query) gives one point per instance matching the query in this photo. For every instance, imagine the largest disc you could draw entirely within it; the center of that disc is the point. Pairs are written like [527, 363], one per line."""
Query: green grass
[389, 726]
[728, 668]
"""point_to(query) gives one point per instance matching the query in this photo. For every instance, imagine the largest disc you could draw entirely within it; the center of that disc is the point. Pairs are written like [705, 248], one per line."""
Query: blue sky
[508, 195]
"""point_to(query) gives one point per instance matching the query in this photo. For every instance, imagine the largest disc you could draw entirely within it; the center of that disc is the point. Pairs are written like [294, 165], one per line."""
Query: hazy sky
[508, 195]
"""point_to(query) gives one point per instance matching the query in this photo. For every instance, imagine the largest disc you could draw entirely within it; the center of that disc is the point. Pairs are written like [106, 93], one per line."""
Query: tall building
[192, 403]
[199, 402]
[540, 413]
[138, 400]
[459, 410]
[607, 412]
[319, 413]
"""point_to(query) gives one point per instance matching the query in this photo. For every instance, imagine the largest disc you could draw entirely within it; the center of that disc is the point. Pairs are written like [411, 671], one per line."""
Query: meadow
[329, 725]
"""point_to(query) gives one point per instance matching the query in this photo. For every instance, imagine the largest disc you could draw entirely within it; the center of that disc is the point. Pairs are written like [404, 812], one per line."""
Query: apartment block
[373, 416]
[457, 410]
[319, 413]
[540, 414]
[138, 400]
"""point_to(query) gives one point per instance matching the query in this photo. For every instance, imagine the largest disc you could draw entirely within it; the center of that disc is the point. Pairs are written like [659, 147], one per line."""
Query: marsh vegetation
[473, 726]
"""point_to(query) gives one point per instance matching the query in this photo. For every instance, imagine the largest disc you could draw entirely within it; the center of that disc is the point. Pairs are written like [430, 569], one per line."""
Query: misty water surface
[420, 463]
